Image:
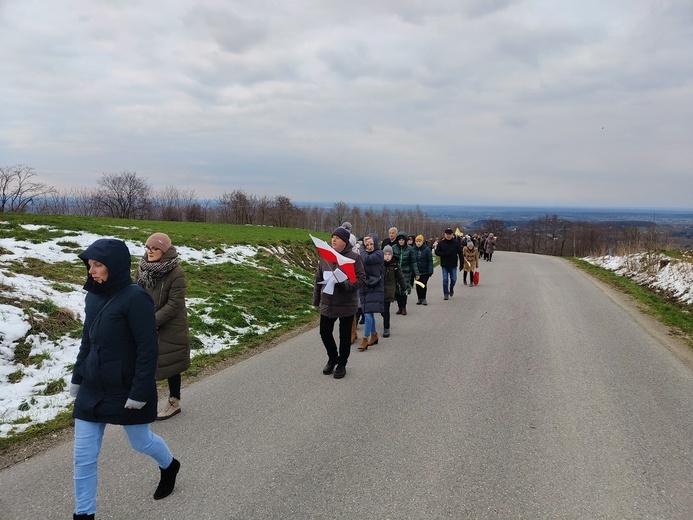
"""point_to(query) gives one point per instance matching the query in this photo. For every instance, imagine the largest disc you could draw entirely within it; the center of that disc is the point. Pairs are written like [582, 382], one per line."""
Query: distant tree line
[129, 196]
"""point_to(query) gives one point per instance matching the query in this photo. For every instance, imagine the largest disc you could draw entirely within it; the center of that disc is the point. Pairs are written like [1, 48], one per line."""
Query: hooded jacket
[372, 297]
[118, 353]
[406, 258]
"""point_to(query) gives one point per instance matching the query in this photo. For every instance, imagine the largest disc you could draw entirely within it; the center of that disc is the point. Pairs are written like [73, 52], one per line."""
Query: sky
[484, 102]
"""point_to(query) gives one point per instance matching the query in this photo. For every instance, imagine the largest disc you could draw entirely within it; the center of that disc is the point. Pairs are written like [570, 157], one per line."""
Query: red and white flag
[330, 255]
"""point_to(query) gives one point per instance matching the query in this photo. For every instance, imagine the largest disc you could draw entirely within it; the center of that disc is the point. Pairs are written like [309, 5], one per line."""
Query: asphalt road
[533, 395]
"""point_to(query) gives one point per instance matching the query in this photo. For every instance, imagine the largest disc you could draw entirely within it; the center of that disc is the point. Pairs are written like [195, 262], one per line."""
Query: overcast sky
[475, 102]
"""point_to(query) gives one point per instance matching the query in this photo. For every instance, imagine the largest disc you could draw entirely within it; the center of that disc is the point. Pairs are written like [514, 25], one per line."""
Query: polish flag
[330, 255]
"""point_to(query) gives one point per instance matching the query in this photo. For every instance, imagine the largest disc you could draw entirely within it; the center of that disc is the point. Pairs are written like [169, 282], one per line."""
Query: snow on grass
[22, 388]
[654, 270]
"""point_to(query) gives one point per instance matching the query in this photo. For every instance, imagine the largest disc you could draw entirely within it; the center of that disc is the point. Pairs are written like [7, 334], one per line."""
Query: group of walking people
[136, 332]
[385, 274]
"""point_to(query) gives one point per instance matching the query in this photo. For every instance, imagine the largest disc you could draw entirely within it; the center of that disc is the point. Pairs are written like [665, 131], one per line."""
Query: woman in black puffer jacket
[113, 378]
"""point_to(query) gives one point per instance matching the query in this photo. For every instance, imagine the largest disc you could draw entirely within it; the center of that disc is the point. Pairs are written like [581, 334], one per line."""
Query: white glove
[131, 403]
[74, 389]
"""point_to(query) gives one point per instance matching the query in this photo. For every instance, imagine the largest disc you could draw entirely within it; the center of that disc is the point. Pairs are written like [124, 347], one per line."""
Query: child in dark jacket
[394, 283]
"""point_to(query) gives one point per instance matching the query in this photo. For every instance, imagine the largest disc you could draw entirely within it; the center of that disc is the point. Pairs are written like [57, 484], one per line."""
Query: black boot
[168, 480]
[329, 367]
[83, 517]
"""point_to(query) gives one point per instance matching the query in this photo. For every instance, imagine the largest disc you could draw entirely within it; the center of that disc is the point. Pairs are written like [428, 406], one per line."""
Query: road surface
[533, 395]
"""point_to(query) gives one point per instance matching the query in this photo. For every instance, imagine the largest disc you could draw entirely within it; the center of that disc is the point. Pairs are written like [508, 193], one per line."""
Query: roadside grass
[678, 317]
[38, 431]
[237, 307]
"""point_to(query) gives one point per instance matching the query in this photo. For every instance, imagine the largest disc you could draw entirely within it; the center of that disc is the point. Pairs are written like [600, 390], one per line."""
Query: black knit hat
[342, 233]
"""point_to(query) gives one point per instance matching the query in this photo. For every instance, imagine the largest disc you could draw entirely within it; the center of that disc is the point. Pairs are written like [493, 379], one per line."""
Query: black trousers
[421, 291]
[386, 315]
[401, 300]
[326, 333]
[174, 386]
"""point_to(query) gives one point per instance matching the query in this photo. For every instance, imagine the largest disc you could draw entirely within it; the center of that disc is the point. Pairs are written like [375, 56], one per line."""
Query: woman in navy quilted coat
[114, 375]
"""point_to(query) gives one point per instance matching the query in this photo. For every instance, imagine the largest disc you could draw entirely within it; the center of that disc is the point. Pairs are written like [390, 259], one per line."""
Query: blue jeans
[452, 273]
[88, 438]
[369, 324]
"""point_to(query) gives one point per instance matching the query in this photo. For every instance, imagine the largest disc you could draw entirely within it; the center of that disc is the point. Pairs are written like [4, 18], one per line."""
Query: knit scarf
[149, 272]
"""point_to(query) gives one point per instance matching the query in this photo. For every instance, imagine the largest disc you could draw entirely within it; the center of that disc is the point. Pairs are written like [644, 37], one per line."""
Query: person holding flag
[339, 276]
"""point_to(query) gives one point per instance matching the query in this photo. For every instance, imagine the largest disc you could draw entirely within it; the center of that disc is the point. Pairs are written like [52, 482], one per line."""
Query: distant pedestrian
[113, 376]
[471, 262]
[449, 250]
[490, 246]
[482, 246]
[163, 278]
[410, 270]
[424, 260]
[394, 281]
[390, 239]
[372, 291]
[340, 305]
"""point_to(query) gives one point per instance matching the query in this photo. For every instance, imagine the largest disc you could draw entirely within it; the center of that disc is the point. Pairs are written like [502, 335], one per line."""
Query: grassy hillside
[247, 285]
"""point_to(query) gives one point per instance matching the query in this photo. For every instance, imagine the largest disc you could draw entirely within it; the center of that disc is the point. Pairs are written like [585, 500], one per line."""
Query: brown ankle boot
[404, 311]
[373, 340]
[364, 344]
[172, 408]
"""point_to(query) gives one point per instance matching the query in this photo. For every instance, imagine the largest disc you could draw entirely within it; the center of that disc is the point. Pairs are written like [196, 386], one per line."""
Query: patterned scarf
[149, 272]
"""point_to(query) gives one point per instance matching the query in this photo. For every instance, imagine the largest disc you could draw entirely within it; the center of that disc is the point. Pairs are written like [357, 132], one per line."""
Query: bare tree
[339, 213]
[17, 189]
[172, 202]
[283, 211]
[124, 195]
[237, 207]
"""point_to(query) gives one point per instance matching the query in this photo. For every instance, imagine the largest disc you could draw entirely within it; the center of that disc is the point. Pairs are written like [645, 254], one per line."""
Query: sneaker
[339, 372]
[419, 302]
[172, 408]
[464, 282]
[424, 302]
[452, 293]
[446, 297]
[386, 333]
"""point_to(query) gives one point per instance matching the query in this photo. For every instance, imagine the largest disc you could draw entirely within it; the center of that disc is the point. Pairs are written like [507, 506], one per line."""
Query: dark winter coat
[117, 356]
[344, 302]
[405, 258]
[394, 279]
[168, 294]
[372, 298]
[449, 251]
[424, 259]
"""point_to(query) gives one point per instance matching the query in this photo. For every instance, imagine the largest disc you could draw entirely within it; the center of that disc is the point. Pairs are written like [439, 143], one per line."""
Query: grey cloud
[478, 8]
[515, 121]
[349, 62]
[233, 33]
